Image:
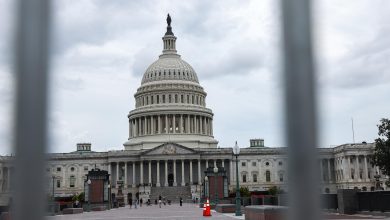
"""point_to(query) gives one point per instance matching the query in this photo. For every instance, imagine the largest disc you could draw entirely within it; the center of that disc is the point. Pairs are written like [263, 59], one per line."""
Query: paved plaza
[174, 211]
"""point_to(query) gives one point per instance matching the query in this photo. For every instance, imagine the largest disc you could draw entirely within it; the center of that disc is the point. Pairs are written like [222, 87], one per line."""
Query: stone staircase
[172, 193]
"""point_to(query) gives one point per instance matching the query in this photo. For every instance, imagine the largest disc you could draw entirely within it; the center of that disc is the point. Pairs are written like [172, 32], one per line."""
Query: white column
[223, 163]
[357, 170]
[196, 124]
[181, 124]
[141, 167]
[329, 173]
[117, 172]
[125, 174]
[188, 124]
[108, 167]
[207, 164]
[365, 167]
[174, 123]
[145, 126]
[199, 173]
[159, 124]
[174, 173]
[133, 164]
[130, 129]
[9, 179]
[150, 172]
[166, 124]
[190, 172]
[201, 125]
[349, 168]
[158, 173]
[166, 173]
[182, 173]
[151, 125]
[215, 163]
[321, 171]
[231, 162]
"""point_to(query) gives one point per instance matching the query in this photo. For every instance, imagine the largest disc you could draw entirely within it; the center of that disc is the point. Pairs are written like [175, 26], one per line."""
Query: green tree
[381, 156]
[244, 192]
[273, 190]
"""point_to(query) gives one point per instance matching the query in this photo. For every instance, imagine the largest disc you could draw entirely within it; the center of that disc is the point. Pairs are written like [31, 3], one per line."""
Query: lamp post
[236, 152]
[89, 194]
[109, 196]
[206, 179]
[215, 185]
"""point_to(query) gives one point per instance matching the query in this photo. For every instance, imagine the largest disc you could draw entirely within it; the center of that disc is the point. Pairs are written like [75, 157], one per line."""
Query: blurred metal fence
[31, 65]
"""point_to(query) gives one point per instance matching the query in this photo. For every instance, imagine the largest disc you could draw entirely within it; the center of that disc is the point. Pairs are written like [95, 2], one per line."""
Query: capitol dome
[170, 104]
[169, 67]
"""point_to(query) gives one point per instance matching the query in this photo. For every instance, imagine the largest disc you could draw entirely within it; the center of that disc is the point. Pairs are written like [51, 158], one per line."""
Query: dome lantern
[169, 39]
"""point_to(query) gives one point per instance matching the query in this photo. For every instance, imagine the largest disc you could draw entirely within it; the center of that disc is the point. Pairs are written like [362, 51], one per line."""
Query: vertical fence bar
[31, 67]
[300, 110]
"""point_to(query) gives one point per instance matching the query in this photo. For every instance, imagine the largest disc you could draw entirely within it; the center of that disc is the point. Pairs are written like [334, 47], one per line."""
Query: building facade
[171, 144]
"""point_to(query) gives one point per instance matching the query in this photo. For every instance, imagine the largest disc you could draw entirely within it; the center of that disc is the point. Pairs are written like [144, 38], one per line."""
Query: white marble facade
[171, 143]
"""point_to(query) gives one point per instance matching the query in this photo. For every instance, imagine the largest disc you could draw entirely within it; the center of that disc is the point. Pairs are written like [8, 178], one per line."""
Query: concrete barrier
[226, 208]
[265, 212]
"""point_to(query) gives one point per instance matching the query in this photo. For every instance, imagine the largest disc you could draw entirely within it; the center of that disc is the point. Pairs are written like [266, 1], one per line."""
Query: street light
[89, 195]
[206, 179]
[109, 196]
[215, 185]
[236, 152]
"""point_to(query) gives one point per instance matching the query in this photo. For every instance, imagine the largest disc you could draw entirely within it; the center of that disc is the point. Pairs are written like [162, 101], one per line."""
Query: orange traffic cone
[206, 208]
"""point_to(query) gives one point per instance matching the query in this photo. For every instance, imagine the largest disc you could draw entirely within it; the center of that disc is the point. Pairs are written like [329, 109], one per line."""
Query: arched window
[169, 98]
[182, 98]
[72, 181]
[163, 99]
[72, 169]
[176, 98]
[267, 176]
[188, 99]
[193, 99]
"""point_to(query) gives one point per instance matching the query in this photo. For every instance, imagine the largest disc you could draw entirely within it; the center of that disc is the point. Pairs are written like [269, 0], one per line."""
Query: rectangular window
[254, 164]
[244, 178]
[254, 178]
[58, 183]
[85, 168]
[243, 164]
[58, 169]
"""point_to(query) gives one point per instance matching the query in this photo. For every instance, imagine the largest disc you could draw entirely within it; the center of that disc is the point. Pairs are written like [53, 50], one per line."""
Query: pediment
[169, 149]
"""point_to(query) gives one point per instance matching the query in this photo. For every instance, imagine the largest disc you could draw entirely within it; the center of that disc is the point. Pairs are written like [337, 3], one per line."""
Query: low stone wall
[68, 211]
[98, 208]
[265, 212]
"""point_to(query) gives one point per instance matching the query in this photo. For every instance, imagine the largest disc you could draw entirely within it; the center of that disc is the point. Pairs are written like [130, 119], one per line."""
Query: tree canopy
[381, 156]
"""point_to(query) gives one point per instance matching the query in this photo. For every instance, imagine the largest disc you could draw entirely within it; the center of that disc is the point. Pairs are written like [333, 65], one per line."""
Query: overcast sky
[102, 48]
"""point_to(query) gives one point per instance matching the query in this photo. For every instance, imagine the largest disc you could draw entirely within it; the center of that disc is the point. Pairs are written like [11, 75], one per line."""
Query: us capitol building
[171, 144]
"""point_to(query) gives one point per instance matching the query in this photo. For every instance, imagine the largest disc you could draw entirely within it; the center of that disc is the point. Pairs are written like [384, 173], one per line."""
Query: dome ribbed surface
[169, 68]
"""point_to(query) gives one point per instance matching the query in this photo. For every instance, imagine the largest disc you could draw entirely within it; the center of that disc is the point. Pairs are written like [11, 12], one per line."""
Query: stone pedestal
[265, 212]
[347, 201]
